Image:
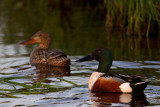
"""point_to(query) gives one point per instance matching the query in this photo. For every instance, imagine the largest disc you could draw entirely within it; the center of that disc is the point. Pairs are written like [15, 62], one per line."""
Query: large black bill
[86, 58]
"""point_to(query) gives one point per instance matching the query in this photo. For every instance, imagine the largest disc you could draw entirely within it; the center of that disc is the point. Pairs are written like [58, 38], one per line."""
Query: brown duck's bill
[29, 41]
[86, 58]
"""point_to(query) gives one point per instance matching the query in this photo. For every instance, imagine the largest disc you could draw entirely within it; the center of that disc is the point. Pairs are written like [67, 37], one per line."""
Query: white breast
[93, 78]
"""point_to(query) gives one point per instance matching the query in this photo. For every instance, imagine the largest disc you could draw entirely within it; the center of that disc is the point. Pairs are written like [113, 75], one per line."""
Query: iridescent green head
[103, 56]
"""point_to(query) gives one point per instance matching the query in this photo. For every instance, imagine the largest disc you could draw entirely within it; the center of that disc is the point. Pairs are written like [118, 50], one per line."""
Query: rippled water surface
[49, 86]
[76, 27]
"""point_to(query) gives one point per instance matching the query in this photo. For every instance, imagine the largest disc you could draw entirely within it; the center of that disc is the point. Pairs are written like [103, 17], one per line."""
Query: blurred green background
[130, 29]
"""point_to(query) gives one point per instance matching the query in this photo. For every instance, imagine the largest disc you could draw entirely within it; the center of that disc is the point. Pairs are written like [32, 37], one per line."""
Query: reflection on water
[74, 28]
[54, 86]
[44, 72]
[118, 99]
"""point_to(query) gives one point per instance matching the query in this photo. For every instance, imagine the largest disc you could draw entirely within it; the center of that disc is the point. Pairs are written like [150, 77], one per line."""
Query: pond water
[77, 27]
[50, 86]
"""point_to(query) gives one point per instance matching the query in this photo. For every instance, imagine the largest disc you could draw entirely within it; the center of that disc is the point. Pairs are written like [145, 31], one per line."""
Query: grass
[68, 81]
[8, 95]
[139, 17]
[32, 88]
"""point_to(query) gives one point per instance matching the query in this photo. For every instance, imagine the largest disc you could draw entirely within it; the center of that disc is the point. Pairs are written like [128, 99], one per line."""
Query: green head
[103, 56]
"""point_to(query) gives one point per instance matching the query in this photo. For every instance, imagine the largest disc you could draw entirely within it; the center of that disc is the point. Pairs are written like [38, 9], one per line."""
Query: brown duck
[42, 54]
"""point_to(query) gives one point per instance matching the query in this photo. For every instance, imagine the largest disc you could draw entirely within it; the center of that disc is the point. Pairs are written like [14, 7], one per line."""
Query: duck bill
[29, 41]
[86, 58]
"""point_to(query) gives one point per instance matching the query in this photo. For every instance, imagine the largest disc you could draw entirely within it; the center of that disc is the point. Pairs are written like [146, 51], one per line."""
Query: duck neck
[44, 45]
[104, 67]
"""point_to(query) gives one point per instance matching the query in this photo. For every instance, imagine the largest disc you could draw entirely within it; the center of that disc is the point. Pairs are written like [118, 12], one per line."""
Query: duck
[102, 81]
[42, 54]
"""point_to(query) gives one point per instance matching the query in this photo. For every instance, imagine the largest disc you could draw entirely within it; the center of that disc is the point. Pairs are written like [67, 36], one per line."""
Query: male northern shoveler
[102, 81]
[42, 54]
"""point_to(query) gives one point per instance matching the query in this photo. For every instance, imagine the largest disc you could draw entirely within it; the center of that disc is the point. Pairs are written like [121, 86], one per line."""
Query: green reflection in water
[76, 27]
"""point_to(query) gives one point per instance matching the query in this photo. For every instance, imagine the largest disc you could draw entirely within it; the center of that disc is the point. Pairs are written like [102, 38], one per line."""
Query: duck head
[41, 37]
[103, 56]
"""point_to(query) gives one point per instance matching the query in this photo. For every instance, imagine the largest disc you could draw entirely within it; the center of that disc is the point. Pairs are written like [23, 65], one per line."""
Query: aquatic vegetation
[31, 88]
[140, 17]
[135, 17]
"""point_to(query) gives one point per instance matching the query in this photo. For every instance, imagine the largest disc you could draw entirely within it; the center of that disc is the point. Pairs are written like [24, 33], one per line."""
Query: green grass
[31, 88]
[139, 17]
[8, 95]
[68, 81]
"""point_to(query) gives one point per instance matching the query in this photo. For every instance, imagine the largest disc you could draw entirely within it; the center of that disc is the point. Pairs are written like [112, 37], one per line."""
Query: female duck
[102, 81]
[42, 54]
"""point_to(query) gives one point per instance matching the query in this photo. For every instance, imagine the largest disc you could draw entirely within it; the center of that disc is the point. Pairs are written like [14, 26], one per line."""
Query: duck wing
[135, 81]
[52, 54]
[124, 77]
[57, 58]
[128, 78]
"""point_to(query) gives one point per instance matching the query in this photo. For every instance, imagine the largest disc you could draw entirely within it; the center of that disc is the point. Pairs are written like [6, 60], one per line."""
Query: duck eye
[40, 34]
[99, 51]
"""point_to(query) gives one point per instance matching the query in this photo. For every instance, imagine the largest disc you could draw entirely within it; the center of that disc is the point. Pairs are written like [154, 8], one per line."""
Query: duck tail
[140, 86]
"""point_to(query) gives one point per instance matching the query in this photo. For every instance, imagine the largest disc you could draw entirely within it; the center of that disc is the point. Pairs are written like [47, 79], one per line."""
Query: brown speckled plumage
[42, 54]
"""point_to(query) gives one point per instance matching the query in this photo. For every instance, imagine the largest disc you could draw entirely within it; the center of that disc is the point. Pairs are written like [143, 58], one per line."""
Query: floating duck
[42, 54]
[102, 81]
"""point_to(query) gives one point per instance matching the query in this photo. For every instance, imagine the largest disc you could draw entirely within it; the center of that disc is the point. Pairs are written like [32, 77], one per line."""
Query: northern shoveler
[102, 81]
[42, 54]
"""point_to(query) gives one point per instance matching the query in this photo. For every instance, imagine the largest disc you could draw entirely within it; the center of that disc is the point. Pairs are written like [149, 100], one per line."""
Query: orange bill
[29, 41]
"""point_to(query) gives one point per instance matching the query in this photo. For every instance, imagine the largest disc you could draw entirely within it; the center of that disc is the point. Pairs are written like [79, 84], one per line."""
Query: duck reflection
[45, 71]
[118, 99]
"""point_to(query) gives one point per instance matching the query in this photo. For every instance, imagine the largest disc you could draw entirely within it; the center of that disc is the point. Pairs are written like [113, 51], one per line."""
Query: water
[59, 89]
[77, 28]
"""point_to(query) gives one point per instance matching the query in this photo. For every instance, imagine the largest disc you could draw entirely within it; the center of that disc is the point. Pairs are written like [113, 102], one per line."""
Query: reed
[139, 17]
[30, 88]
